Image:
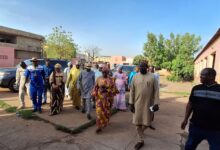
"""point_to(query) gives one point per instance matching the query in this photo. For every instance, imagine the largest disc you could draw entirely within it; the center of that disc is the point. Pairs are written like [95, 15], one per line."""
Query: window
[4, 38]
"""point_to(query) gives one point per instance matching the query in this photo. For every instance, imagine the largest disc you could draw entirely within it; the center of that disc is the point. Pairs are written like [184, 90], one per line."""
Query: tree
[175, 54]
[59, 44]
[92, 52]
[138, 59]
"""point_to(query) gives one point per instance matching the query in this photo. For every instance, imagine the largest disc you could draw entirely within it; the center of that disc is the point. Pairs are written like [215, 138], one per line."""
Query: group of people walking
[86, 86]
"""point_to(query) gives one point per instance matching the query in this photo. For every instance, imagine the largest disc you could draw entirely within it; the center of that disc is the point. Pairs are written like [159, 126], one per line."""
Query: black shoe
[77, 108]
[83, 111]
[152, 128]
[34, 110]
[40, 111]
[89, 117]
[98, 130]
[139, 145]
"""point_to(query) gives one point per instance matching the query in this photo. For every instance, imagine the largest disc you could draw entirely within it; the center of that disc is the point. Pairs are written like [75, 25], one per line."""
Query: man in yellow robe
[72, 85]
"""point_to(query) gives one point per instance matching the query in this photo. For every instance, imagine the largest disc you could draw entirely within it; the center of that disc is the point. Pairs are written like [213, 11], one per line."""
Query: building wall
[118, 60]
[102, 59]
[23, 48]
[209, 58]
[6, 56]
[30, 44]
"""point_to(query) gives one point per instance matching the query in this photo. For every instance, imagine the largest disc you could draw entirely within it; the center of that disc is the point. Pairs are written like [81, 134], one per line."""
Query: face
[137, 69]
[105, 73]
[57, 69]
[35, 63]
[151, 69]
[77, 66]
[88, 69]
[47, 63]
[120, 70]
[100, 69]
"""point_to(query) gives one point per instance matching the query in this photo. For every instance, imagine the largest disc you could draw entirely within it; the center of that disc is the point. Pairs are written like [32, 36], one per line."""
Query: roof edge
[216, 35]
[20, 33]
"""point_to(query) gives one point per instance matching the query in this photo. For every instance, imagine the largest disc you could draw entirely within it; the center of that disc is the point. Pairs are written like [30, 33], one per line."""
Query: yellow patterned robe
[72, 83]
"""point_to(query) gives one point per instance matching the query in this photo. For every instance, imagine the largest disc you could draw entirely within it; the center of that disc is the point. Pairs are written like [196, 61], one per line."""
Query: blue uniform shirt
[36, 76]
[48, 70]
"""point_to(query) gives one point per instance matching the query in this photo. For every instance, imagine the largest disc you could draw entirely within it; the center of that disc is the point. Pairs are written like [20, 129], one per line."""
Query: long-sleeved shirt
[36, 76]
[86, 83]
[20, 77]
[48, 70]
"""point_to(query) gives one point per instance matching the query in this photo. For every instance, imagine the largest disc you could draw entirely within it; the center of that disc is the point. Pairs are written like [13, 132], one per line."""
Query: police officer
[36, 75]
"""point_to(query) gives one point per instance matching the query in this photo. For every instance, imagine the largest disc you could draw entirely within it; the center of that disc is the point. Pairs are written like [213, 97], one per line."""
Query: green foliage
[8, 108]
[59, 44]
[175, 54]
[27, 114]
[138, 59]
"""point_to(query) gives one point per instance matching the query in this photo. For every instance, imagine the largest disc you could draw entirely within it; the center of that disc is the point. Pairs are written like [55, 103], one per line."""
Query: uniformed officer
[36, 75]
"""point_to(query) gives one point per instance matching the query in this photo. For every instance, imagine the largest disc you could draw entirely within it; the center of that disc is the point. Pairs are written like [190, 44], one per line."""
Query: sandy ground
[19, 134]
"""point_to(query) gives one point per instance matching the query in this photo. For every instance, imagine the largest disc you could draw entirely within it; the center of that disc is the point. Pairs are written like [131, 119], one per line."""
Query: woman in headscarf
[57, 81]
[120, 80]
[104, 92]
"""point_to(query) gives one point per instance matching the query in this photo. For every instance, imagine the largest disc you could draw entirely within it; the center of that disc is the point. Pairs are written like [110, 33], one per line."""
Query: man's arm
[79, 84]
[26, 74]
[156, 92]
[132, 96]
[93, 79]
[69, 78]
[187, 115]
[17, 76]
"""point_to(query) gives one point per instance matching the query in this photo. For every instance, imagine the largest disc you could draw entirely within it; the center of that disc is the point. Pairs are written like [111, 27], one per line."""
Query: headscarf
[69, 64]
[58, 66]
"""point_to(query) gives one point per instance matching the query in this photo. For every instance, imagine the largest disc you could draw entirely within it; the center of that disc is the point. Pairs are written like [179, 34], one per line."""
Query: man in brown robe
[144, 93]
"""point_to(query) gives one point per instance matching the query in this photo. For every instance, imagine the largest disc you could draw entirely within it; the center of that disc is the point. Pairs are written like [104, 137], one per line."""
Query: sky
[117, 27]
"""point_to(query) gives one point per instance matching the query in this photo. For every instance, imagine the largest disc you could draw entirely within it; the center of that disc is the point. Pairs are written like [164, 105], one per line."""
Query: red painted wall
[7, 55]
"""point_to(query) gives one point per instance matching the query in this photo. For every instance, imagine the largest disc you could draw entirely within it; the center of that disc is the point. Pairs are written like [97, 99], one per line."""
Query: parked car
[8, 75]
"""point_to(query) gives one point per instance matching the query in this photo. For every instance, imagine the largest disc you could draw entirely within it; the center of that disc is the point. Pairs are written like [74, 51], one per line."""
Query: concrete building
[118, 60]
[103, 59]
[209, 57]
[17, 45]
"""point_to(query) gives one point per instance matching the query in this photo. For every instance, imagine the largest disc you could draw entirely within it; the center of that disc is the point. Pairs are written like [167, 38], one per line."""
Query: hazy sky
[118, 27]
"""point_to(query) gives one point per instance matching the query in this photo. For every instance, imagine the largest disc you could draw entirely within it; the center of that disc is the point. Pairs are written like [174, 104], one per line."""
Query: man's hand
[183, 125]
[132, 108]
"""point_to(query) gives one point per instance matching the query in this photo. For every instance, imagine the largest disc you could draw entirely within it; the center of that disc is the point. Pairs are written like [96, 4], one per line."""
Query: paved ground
[19, 134]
